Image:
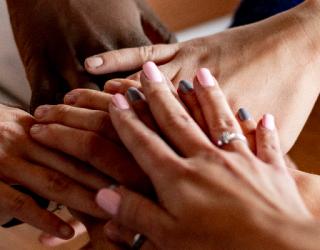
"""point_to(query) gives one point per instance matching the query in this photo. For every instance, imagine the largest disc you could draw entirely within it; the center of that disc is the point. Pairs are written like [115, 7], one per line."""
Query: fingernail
[36, 128]
[71, 98]
[244, 115]
[268, 122]
[152, 72]
[120, 101]
[114, 83]
[134, 94]
[94, 62]
[185, 86]
[66, 231]
[205, 78]
[109, 201]
[41, 111]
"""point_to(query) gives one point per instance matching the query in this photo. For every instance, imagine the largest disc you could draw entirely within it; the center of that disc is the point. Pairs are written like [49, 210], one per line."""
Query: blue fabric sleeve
[256, 10]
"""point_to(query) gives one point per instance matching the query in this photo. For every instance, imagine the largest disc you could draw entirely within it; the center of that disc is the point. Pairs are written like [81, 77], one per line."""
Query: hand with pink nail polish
[255, 67]
[209, 197]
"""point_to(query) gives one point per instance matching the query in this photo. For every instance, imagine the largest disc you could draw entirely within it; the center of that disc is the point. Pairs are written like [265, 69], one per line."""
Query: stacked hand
[209, 197]
[268, 67]
[76, 120]
[48, 173]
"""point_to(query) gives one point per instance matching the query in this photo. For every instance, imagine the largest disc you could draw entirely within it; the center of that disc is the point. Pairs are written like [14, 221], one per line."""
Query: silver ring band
[138, 242]
[228, 137]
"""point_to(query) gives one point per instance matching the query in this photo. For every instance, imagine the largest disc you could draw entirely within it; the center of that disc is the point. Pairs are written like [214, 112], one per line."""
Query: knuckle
[177, 120]
[146, 53]
[102, 122]
[61, 111]
[222, 123]
[126, 117]
[19, 203]
[57, 183]
[91, 145]
[269, 147]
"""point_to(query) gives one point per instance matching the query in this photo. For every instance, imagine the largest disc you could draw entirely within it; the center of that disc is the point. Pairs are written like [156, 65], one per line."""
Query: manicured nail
[35, 129]
[205, 78]
[41, 111]
[66, 231]
[120, 101]
[71, 98]
[268, 122]
[109, 201]
[94, 62]
[185, 86]
[134, 94]
[244, 115]
[152, 72]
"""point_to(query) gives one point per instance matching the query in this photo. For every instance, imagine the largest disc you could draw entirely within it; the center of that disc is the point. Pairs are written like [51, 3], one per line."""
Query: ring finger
[122, 235]
[217, 112]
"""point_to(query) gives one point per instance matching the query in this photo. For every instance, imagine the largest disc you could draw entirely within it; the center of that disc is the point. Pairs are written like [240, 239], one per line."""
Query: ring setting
[138, 242]
[228, 137]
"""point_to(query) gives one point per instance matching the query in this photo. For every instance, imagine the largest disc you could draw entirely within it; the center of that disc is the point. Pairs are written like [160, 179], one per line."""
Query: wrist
[288, 233]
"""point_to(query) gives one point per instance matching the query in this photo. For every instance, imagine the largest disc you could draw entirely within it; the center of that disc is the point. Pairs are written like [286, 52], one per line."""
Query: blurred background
[189, 19]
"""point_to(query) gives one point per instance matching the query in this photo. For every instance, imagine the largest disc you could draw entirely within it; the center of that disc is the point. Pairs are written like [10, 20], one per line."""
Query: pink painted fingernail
[152, 72]
[120, 101]
[109, 201]
[94, 62]
[268, 122]
[205, 78]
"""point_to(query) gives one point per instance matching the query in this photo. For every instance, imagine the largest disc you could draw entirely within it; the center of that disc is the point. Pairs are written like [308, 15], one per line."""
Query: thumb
[129, 59]
[134, 212]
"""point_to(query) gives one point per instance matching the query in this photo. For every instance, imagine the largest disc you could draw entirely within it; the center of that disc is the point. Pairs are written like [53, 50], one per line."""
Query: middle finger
[172, 118]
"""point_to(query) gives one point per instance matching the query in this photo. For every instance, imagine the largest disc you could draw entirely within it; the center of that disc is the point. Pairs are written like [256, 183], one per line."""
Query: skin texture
[37, 168]
[230, 185]
[54, 38]
[245, 60]
[75, 115]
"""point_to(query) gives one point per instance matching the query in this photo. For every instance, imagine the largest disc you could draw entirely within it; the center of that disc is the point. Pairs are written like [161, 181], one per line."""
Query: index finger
[129, 59]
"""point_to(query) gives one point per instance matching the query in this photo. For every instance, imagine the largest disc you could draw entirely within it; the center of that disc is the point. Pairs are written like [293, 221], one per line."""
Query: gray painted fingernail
[134, 94]
[185, 86]
[244, 115]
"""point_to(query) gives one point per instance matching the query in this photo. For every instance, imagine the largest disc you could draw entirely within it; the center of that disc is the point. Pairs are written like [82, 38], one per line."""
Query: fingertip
[112, 86]
[120, 102]
[66, 231]
[109, 201]
[71, 97]
[244, 115]
[205, 78]
[93, 63]
[185, 87]
[152, 72]
[37, 129]
[41, 111]
[268, 122]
